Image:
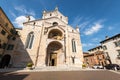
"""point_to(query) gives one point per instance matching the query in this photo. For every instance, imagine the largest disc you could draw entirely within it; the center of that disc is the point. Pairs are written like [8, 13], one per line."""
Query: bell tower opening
[55, 34]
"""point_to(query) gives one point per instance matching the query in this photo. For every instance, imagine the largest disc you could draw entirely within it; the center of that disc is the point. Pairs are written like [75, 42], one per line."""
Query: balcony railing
[57, 37]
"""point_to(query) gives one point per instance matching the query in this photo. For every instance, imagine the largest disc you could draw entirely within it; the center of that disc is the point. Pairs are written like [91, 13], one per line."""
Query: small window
[106, 54]
[10, 47]
[118, 52]
[4, 45]
[73, 60]
[117, 43]
[61, 17]
[50, 14]
[98, 57]
[55, 23]
[104, 47]
[0, 46]
[72, 30]
[6, 25]
[14, 38]
[3, 32]
[13, 31]
[103, 56]
[8, 37]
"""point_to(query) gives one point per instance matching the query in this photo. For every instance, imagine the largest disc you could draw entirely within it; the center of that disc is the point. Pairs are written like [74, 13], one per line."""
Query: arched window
[29, 40]
[5, 61]
[50, 14]
[55, 23]
[73, 46]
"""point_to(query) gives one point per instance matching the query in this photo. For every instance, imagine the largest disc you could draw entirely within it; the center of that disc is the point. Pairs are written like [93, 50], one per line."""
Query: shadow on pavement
[12, 76]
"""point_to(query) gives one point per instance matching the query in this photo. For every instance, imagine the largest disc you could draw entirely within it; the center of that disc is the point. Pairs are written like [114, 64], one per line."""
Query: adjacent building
[7, 33]
[95, 56]
[111, 47]
[107, 53]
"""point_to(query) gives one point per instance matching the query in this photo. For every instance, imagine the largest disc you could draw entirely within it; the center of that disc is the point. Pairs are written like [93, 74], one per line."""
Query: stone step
[58, 68]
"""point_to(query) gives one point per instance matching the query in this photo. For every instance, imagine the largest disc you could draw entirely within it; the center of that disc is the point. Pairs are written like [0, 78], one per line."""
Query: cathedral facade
[49, 41]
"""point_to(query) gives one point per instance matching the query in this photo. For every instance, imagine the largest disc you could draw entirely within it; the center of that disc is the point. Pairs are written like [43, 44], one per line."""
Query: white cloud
[76, 21]
[81, 22]
[22, 10]
[96, 40]
[87, 25]
[20, 19]
[13, 14]
[94, 29]
[83, 25]
[101, 21]
[87, 44]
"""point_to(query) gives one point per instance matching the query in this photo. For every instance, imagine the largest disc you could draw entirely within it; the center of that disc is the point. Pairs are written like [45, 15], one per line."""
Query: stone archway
[53, 49]
[55, 34]
[5, 61]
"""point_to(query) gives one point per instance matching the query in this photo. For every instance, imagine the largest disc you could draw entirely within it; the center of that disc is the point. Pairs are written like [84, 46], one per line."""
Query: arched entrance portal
[5, 61]
[53, 49]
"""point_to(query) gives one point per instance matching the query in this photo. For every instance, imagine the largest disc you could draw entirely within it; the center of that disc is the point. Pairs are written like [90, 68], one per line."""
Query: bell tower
[55, 14]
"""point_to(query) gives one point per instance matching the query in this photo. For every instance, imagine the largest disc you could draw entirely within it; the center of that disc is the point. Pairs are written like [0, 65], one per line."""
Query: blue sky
[95, 18]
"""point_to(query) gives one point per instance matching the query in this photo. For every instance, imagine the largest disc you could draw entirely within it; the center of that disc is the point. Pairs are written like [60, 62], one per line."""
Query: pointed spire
[77, 28]
[28, 18]
[56, 8]
[44, 11]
